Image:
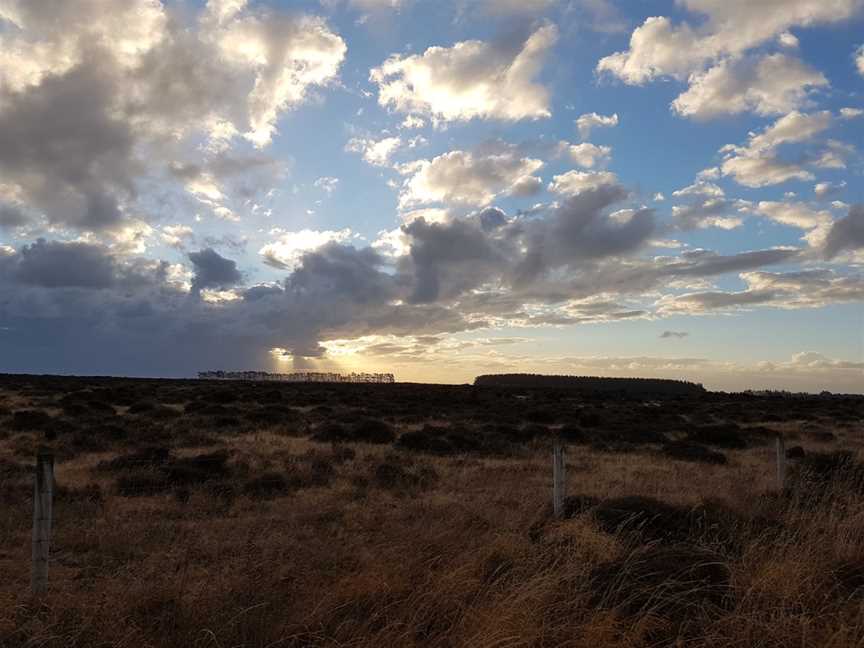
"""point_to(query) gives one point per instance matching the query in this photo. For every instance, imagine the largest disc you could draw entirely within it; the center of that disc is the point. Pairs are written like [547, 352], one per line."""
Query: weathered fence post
[781, 463]
[42, 504]
[558, 479]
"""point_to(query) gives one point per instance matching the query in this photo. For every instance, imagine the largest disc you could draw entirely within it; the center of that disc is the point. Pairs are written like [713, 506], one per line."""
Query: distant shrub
[686, 451]
[30, 420]
[723, 435]
[365, 431]
[269, 484]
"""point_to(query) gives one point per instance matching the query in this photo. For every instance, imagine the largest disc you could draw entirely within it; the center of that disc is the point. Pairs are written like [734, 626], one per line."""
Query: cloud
[758, 165]
[375, 152]
[515, 7]
[723, 78]
[859, 60]
[846, 233]
[580, 229]
[794, 214]
[573, 183]
[708, 212]
[589, 121]
[12, 216]
[286, 252]
[472, 179]
[729, 28]
[602, 15]
[212, 270]
[666, 335]
[98, 98]
[472, 79]
[448, 259]
[804, 289]
[589, 155]
[827, 190]
[770, 85]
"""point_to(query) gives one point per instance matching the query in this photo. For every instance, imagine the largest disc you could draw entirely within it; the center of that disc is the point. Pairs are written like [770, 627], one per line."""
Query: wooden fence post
[558, 479]
[781, 463]
[42, 509]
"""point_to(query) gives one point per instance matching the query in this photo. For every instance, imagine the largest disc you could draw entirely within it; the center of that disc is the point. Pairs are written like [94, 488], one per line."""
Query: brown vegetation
[201, 514]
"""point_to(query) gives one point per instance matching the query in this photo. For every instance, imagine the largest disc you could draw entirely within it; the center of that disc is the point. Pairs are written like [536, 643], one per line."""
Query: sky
[435, 188]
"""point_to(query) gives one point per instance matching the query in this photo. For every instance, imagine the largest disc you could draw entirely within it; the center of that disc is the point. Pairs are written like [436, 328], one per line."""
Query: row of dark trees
[596, 384]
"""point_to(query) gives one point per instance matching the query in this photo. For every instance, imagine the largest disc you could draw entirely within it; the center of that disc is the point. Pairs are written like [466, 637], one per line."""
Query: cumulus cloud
[705, 212]
[770, 85]
[466, 178]
[589, 155]
[859, 60]
[589, 121]
[575, 182]
[286, 252]
[757, 164]
[729, 28]
[794, 214]
[846, 233]
[212, 270]
[471, 79]
[722, 36]
[94, 96]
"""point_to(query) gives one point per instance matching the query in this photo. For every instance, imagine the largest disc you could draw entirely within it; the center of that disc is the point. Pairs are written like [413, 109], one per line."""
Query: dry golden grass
[454, 563]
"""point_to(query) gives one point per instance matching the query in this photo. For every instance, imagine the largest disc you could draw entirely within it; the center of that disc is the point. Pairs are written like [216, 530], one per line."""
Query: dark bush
[795, 452]
[422, 441]
[198, 469]
[141, 407]
[392, 475]
[269, 484]
[30, 420]
[373, 431]
[722, 435]
[573, 434]
[685, 451]
[142, 484]
[143, 458]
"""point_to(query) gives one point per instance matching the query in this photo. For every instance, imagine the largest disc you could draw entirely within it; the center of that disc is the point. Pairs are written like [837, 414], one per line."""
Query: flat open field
[239, 514]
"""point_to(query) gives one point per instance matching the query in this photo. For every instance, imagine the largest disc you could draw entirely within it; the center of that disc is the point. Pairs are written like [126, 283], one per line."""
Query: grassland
[228, 515]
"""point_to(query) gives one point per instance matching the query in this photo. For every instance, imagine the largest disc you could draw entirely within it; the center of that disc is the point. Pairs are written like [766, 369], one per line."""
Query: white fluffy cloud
[859, 60]
[730, 27]
[758, 165]
[574, 183]
[770, 85]
[589, 121]
[286, 252]
[794, 214]
[589, 155]
[721, 34]
[375, 152]
[471, 79]
[471, 179]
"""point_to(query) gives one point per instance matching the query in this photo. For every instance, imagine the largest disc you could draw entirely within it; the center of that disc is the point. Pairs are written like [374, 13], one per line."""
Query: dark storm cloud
[12, 216]
[579, 230]
[212, 270]
[703, 263]
[846, 233]
[448, 259]
[63, 144]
